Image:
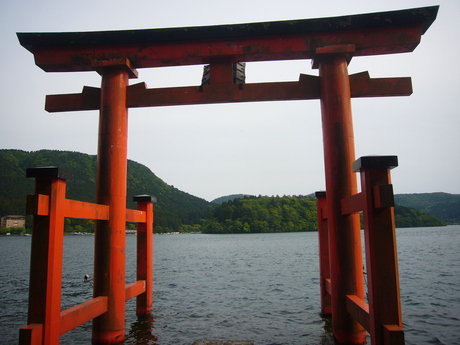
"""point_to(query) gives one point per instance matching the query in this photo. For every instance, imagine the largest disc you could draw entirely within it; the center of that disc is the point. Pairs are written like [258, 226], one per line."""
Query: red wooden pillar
[144, 301]
[111, 180]
[339, 153]
[324, 265]
[46, 257]
[385, 317]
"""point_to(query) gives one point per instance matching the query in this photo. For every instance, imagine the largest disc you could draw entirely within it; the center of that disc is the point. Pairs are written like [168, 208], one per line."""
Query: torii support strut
[111, 177]
[339, 155]
[330, 41]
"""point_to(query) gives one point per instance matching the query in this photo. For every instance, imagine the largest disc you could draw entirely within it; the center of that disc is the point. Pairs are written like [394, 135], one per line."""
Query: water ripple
[263, 288]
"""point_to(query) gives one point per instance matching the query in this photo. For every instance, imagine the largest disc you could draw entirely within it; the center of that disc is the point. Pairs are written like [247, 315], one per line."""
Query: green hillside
[407, 217]
[226, 198]
[180, 211]
[263, 214]
[441, 205]
[252, 214]
[175, 210]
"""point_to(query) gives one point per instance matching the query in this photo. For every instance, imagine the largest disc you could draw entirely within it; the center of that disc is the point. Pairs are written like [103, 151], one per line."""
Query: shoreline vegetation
[178, 211]
[288, 214]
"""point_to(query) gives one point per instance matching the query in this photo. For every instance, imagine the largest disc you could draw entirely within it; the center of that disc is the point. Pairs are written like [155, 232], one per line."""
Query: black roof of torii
[424, 15]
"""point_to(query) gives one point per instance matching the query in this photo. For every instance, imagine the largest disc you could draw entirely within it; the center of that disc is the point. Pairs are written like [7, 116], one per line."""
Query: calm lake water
[259, 287]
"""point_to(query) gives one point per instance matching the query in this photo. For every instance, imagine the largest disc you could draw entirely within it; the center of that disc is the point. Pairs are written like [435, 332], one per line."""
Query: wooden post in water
[339, 154]
[324, 264]
[111, 179]
[44, 311]
[144, 302]
[385, 316]
[331, 43]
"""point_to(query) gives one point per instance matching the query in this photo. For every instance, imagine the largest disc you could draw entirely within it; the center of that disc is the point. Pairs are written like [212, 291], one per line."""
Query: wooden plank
[89, 99]
[135, 216]
[82, 313]
[359, 310]
[38, 204]
[134, 289]
[393, 335]
[308, 87]
[85, 210]
[353, 204]
[361, 85]
[32, 334]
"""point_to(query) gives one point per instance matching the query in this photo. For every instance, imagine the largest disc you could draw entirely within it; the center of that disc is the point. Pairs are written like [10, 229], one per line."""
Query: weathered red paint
[134, 289]
[111, 177]
[144, 301]
[374, 41]
[49, 211]
[381, 253]
[135, 216]
[324, 264]
[82, 313]
[32, 334]
[308, 87]
[344, 231]
[331, 42]
[46, 264]
[359, 310]
[381, 317]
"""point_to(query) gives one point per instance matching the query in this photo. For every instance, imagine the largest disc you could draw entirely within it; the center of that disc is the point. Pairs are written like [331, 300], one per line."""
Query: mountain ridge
[175, 210]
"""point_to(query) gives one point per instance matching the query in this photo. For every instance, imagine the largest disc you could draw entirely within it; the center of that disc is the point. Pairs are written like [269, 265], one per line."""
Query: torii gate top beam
[371, 34]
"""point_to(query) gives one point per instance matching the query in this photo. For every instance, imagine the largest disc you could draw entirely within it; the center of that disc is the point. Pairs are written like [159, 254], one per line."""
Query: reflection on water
[259, 287]
[141, 330]
[326, 336]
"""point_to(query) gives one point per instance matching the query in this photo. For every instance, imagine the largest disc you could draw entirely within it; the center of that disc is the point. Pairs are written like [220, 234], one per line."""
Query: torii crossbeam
[329, 42]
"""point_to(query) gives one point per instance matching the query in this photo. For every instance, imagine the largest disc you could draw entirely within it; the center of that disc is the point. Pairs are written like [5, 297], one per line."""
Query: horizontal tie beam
[134, 289]
[308, 87]
[359, 310]
[82, 313]
[38, 204]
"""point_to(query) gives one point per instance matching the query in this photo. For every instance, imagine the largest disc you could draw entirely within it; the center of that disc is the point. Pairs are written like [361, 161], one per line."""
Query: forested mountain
[226, 198]
[263, 214]
[407, 217]
[252, 214]
[174, 209]
[441, 205]
[179, 211]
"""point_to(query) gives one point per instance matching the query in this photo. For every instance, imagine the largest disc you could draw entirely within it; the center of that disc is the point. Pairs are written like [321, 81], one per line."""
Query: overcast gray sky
[271, 148]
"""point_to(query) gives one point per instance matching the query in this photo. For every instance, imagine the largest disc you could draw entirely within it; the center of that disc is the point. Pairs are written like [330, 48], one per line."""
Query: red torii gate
[330, 43]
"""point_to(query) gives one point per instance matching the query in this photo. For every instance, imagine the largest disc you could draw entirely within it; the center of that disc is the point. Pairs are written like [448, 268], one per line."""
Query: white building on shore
[13, 221]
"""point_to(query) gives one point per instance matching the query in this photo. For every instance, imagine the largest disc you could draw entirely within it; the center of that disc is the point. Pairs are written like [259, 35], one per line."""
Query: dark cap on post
[375, 162]
[145, 198]
[49, 172]
[320, 194]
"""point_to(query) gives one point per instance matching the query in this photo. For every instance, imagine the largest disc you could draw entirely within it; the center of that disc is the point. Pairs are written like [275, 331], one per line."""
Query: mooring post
[46, 205]
[110, 236]
[144, 302]
[324, 265]
[339, 153]
[385, 317]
